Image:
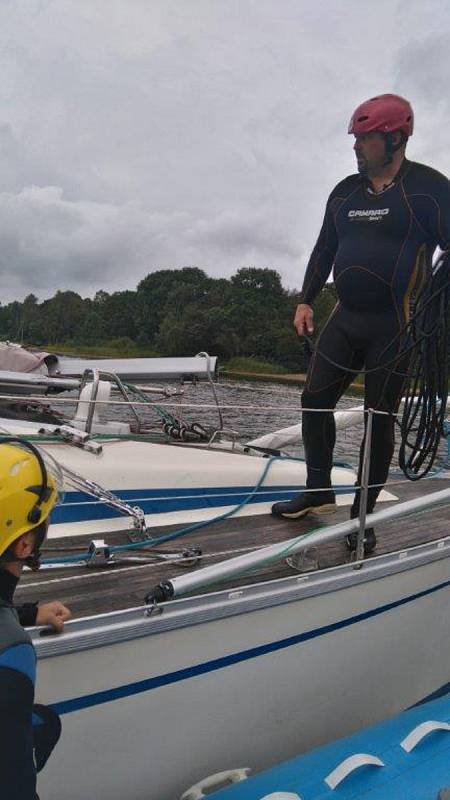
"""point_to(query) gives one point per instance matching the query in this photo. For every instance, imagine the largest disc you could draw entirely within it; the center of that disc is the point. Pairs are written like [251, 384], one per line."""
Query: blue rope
[151, 541]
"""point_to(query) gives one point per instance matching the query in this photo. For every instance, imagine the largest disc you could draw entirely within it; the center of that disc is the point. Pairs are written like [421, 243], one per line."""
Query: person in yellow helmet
[28, 732]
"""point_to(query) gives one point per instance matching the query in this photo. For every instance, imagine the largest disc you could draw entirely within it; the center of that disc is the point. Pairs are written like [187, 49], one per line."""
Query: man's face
[27, 548]
[370, 150]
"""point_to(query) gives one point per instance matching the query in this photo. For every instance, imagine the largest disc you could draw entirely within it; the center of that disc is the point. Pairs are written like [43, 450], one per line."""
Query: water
[268, 407]
[271, 406]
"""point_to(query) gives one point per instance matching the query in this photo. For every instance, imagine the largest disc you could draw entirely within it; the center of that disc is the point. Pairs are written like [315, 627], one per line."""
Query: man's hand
[303, 320]
[54, 614]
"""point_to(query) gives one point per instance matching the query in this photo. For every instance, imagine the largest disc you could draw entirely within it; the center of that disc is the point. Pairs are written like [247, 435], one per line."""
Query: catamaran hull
[242, 678]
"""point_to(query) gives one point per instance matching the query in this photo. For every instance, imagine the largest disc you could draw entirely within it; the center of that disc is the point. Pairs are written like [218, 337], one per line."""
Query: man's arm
[322, 258]
[317, 272]
[27, 613]
[428, 192]
[54, 614]
[442, 219]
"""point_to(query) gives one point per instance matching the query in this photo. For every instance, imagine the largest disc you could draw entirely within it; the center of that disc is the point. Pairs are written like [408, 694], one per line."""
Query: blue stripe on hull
[80, 507]
[130, 689]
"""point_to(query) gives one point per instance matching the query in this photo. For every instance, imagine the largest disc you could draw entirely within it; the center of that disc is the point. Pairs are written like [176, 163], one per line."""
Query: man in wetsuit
[380, 231]
[28, 732]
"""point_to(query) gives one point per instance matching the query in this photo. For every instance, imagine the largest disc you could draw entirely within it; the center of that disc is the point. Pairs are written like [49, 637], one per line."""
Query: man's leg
[46, 732]
[384, 389]
[383, 393]
[325, 385]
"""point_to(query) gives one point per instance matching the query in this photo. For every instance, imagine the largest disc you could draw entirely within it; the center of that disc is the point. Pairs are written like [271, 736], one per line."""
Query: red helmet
[385, 113]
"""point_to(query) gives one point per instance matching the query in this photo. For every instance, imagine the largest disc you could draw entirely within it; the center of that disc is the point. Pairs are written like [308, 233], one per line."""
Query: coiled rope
[423, 422]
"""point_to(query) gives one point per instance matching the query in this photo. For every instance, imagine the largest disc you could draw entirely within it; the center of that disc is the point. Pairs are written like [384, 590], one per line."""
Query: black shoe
[370, 541]
[320, 502]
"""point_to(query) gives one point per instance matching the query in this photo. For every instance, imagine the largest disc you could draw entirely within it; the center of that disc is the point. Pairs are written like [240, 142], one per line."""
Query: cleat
[318, 502]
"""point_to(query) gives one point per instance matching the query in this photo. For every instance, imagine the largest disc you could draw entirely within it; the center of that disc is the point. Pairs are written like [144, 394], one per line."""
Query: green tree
[91, 329]
[156, 292]
[62, 315]
[119, 314]
[263, 283]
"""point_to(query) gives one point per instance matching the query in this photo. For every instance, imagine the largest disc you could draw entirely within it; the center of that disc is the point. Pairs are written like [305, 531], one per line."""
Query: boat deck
[100, 589]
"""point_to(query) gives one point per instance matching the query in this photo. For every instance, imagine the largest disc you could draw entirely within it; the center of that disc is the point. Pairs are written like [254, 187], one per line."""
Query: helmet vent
[362, 119]
[373, 98]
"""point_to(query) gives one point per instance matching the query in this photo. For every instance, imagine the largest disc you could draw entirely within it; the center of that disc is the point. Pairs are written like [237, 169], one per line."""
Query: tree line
[175, 312]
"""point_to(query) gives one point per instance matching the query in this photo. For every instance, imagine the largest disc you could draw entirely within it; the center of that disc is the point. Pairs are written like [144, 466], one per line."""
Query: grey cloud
[49, 242]
[423, 69]
[204, 132]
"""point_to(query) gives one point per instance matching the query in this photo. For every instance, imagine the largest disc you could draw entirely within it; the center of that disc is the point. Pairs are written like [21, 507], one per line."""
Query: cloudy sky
[145, 134]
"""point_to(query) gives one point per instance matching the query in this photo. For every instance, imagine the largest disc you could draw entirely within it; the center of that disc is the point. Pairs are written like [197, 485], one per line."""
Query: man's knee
[383, 429]
[46, 732]
[311, 399]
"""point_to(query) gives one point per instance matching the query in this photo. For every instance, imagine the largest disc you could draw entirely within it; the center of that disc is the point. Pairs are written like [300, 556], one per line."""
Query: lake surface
[267, 407]
[251, 409]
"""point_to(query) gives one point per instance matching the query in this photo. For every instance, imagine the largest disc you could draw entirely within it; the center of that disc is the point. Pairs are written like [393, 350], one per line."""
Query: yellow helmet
[28, 490]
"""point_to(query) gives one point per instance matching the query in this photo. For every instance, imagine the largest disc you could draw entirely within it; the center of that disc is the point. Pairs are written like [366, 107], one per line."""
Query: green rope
[155, 541]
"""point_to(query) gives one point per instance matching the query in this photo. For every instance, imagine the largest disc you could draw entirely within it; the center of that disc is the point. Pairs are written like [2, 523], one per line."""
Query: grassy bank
[106, 350]
[250, 369]
[292, 378]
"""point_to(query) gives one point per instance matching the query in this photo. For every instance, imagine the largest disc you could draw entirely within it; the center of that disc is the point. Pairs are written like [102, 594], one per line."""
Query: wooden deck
[97, 590]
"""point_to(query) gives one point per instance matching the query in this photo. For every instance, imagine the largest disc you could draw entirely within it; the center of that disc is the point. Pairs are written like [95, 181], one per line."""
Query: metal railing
[96, 375]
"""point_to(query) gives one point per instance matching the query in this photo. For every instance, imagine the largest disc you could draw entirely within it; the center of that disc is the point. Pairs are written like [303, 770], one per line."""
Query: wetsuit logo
[368, 215]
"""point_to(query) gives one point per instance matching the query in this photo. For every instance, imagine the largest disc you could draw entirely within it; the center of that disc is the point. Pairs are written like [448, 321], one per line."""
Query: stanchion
[364, 491]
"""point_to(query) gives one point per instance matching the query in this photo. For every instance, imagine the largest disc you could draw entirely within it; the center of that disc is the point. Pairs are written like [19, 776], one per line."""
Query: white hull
[242, 678]
[172, 484]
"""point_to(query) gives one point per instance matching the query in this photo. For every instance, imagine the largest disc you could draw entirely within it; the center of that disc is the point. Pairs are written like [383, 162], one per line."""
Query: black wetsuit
[380, 247]
[28, 732]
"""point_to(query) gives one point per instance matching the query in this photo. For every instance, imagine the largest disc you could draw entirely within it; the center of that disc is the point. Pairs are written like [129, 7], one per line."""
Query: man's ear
[397, 138]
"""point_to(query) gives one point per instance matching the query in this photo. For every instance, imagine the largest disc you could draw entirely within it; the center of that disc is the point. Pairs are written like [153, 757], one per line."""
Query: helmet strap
[391, 147]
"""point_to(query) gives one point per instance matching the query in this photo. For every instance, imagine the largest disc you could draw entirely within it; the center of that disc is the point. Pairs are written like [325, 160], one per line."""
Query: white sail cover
[131, 369]
[14, 358]
[293, 435]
